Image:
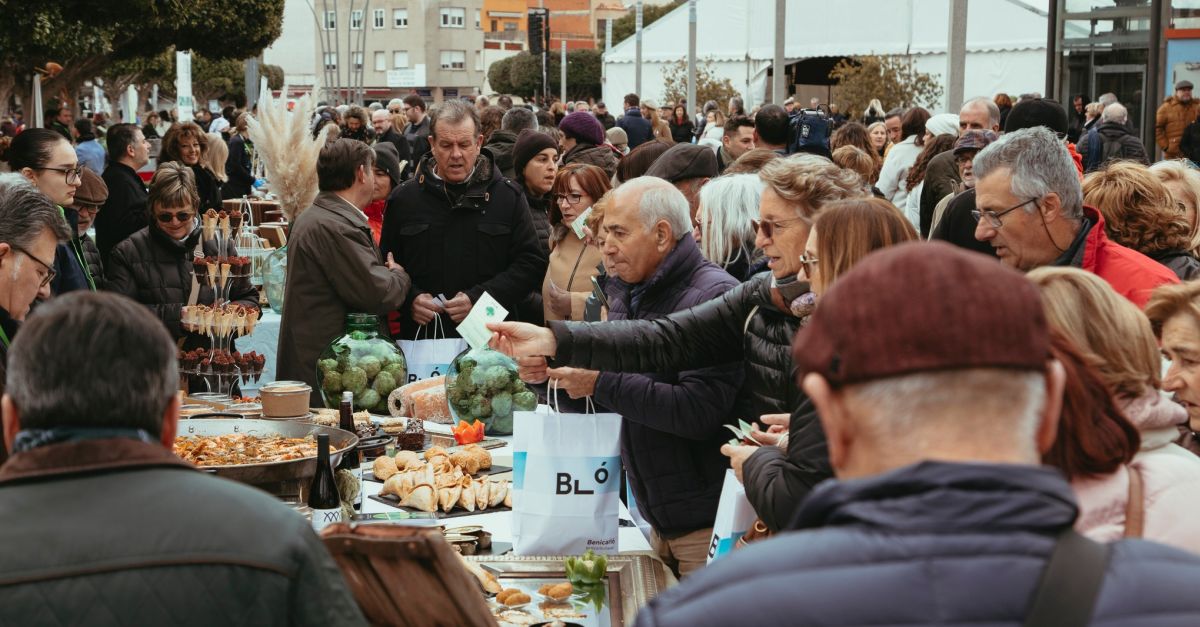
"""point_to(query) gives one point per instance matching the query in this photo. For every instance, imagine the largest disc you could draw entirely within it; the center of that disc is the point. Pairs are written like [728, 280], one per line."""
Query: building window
[478, 22]
[380, 19]
[454, 59]
[356, 20]
[494, 24]
[331, 60]
[380, 62]
[330, 20]
[454, 17]
[358, 60]
[510, 27]
[400, 18]
[399, 59]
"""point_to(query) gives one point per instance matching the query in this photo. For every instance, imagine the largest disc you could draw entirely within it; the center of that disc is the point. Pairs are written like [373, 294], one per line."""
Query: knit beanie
[529, 144]
[387, 158]
[942, 124]
[582, 126]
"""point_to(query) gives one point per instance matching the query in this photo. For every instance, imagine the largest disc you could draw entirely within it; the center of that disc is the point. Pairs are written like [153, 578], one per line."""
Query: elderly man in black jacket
[107, 511]
[124, 213]
[671, 434]
[460, 228]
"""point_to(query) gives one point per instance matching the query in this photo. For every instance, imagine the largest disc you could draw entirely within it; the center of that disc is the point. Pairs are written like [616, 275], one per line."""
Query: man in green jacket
[102, 523]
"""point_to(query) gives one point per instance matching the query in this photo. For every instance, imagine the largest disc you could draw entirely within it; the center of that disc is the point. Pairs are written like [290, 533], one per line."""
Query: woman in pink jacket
[1154, 495]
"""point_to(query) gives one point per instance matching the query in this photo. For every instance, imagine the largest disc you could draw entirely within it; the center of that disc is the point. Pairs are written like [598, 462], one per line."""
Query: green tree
[625, 26]
[521, 75]
[498, 76]
[708, 86]
[274, 74]
[583, 74]
[895, 81]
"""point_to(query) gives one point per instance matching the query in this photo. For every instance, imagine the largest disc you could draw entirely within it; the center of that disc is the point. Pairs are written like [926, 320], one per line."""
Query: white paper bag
[734, 517]
[566, 483]
[431, 357]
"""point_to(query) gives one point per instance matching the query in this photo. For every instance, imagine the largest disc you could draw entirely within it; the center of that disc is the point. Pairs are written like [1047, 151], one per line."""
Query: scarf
[29, 439]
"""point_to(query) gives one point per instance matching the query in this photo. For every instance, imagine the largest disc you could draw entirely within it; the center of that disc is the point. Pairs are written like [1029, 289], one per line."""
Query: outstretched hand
[519, 339]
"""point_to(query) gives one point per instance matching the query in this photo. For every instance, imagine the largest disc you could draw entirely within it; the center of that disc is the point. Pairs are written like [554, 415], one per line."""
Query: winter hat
[935, 310]
[1037, 112]
[618, 138]
[685, 161]
[92, 192]
[974, 140]
[529, 144]
[942, 124]
[387, 158]
[582, 126]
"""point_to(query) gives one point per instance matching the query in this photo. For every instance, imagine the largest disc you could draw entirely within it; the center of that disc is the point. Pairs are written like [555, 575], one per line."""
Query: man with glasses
[90, 196]
[124, 212]
[942, 175]
[1029, 207]
[30, 229]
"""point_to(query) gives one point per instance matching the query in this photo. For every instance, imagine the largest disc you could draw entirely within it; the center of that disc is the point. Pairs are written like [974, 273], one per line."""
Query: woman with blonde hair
[186, 143]
[215, 158]
[854, 159]
[1183, 181]
[878, 133]
[725, 223]
[714, 129]
[1140, 213]
[1152, 496]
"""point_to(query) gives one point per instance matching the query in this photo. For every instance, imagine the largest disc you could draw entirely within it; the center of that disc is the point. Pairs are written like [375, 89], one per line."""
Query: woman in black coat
[155, 265]
[187, 144]
[681, 127]
[240, 178]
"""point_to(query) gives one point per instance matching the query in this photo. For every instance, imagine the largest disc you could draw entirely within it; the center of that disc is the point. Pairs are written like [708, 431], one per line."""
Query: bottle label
[322, 518]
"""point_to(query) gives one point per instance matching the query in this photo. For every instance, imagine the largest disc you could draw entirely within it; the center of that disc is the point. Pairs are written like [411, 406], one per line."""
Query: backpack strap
[1070, 583]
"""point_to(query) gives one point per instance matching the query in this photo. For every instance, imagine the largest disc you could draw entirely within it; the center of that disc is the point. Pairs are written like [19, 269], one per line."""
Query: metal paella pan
[270, 472]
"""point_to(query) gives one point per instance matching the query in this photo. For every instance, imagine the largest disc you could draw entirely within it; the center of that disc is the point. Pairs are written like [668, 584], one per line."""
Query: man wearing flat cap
[688, 167]
[941, 511]
[1173, 116]
[89, 198]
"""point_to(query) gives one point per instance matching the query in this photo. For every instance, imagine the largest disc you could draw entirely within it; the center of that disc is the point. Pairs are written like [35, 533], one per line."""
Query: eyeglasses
[73, 174]
[808, 263]
[50, 273]
[767, 227]
[88, 208]
[993, 218]
[178, 216]
[572, 199]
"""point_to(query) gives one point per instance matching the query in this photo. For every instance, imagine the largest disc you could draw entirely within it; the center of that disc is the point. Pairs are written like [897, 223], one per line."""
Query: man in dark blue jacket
[941, 514]
[671, 434]
[635, 126]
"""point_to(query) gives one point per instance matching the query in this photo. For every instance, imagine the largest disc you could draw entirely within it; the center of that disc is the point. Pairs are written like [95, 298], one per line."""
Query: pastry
[422, 498]
[384, 467]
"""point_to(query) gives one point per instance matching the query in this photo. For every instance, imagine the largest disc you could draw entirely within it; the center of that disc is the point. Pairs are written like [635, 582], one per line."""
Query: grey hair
[60, 341]
[992, 109]
[1039, 164]
[729, 205]
[26, 213]
[1115, 112]
[453, 112]
[518, 119]
[1107, 98]
[917, 408]
[660, 200]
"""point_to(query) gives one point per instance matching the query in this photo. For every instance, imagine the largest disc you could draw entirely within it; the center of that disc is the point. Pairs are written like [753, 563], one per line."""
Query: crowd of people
[931, 422]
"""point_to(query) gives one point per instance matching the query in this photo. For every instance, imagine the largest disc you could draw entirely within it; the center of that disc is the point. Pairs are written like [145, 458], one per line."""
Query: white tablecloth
[264, 341]
[499, 524]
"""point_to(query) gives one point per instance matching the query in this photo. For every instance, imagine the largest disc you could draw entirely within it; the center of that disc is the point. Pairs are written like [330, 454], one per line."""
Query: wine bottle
[351, 462]
[323, 497]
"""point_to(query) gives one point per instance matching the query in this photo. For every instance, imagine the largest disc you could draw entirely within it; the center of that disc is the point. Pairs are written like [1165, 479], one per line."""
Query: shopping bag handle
[438, 333]
[552, 397]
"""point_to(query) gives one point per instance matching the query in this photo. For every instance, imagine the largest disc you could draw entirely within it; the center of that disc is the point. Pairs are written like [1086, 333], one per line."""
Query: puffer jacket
[91, 256]
[472, 238]
[1132, 274]
[157, 271]
[539, 212]
[1170, 481]
[602, 157]
[931, 543]
[743, 323]
[164, 544]
[1172, 117]
[671, 434]
[1182, 263]
[500, 146]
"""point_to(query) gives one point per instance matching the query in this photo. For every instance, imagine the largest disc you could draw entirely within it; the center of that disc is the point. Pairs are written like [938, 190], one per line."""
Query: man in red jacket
[1030, 209]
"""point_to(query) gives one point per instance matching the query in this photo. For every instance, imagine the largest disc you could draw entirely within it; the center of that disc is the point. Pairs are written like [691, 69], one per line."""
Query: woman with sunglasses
[573, 263]
[155, 265]
[754, 322]
[187, 144]
[48, 161]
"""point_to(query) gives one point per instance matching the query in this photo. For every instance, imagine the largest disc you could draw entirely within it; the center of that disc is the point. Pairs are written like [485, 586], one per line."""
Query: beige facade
[431, 47]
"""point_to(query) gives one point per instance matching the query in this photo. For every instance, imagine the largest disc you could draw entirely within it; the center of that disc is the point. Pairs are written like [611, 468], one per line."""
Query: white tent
[1006, 42]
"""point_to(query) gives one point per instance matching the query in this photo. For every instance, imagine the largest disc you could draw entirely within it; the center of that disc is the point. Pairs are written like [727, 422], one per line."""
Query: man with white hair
[1029, 208]
[385, 131]
[1111, 140]
[671, 435]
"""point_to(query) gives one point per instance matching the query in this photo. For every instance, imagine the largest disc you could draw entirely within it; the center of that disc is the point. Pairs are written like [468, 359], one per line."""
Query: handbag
[388, 567]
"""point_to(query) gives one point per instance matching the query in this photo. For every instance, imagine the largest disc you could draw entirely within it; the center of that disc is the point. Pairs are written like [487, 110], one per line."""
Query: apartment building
[580, 23]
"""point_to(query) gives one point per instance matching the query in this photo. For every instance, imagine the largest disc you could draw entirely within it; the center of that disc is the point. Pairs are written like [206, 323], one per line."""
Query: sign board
[183, 85]
[411, 77]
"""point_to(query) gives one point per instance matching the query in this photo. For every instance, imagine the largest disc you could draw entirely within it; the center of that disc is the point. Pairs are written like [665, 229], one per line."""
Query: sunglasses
[767, 228]
[178, 216]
